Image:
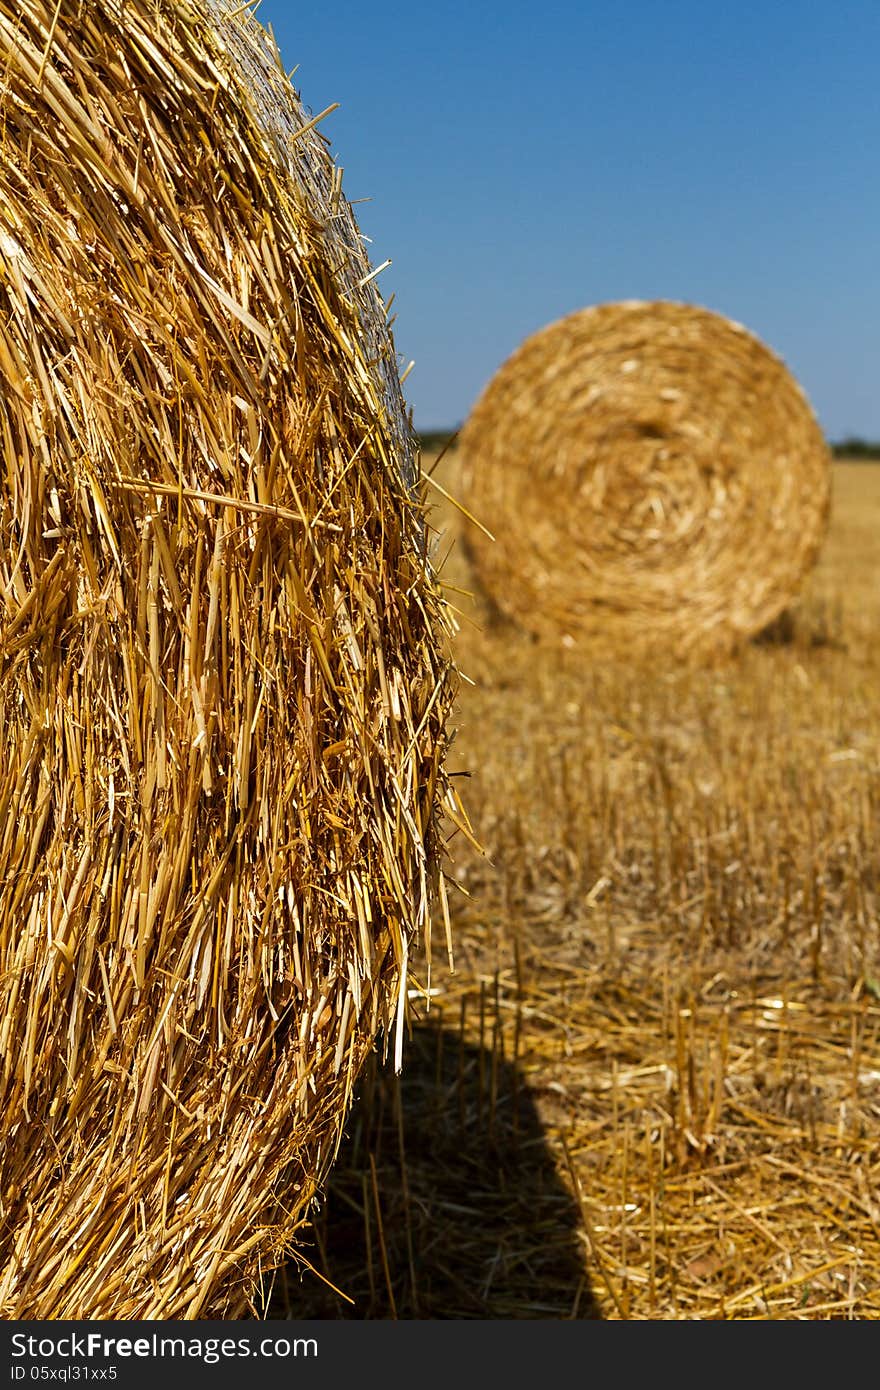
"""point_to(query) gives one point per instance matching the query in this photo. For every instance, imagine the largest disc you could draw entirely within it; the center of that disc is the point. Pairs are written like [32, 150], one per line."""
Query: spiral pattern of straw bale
[654, 478]
[224, 662]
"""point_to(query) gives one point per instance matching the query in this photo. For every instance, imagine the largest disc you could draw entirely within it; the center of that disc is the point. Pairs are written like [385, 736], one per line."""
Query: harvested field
[651, 1088]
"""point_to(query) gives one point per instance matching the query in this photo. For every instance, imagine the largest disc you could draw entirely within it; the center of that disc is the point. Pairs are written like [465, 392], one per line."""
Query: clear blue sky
[522, 161]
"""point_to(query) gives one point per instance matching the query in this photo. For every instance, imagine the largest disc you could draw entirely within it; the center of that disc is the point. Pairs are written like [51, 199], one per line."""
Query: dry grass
[667, 988]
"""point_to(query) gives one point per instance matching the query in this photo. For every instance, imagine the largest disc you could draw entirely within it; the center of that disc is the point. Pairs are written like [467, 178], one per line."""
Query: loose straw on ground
[224, 670]
[654, 477]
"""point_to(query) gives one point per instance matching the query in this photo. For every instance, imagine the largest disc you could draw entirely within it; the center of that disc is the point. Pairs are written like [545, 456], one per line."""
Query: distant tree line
[432, 441]
[852, 447]
[855, 448]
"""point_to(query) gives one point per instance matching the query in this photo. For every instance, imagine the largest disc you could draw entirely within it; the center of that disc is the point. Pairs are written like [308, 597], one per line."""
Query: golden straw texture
[655, 479]
[224, 669]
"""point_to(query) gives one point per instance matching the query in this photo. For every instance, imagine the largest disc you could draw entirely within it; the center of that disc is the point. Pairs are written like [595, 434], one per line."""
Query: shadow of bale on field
[445, 1201]
[808, 625]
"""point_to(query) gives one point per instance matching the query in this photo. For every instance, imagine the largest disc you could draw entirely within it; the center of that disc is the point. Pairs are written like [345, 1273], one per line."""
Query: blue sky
[522, 161]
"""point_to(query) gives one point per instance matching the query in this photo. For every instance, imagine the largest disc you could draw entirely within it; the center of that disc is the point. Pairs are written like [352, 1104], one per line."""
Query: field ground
[651, 1087]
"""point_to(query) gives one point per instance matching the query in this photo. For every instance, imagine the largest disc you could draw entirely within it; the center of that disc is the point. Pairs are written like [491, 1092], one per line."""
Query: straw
[224, 661]
[655, 477]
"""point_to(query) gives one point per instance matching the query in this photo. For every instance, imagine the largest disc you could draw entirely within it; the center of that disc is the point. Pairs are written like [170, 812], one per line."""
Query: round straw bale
[224, 671]
[654, 477]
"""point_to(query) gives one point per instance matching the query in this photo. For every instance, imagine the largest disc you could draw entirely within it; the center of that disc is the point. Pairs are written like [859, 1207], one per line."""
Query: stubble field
[650, 1088]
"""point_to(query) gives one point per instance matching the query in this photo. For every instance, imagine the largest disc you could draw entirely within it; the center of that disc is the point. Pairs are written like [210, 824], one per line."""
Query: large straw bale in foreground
[223, 686]
[655, 479]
